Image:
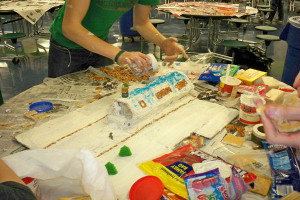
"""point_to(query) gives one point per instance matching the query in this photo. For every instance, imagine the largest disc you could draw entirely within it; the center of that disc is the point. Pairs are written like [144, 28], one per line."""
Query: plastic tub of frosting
[248, 114]
[228, 86]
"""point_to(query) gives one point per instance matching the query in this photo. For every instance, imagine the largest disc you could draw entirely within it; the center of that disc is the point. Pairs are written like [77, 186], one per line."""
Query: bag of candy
[207, 185]
[171, 168]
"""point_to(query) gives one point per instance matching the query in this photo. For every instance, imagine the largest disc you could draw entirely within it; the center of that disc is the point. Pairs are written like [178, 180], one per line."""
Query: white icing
[142, 101]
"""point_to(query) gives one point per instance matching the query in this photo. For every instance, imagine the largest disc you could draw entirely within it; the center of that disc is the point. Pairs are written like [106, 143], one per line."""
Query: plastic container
[291, 34]
[139, 72]
[147, 188]
[41, 106]
[228, 87]
[248, 114]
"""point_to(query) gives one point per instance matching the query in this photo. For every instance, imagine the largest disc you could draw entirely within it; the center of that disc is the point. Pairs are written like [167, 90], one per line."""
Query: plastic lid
[41, 106]
[146, 188]
[154, 62]
[295, 21]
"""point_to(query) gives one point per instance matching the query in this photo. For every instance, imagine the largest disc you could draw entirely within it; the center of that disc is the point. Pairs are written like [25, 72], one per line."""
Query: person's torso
[99, 18]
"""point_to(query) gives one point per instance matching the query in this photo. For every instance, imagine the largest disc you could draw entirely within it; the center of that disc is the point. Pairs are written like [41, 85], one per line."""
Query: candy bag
[171, 168]
[207, 185]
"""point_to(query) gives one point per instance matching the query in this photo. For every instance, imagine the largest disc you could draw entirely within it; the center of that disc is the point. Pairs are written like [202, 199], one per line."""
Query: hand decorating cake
[155, 95]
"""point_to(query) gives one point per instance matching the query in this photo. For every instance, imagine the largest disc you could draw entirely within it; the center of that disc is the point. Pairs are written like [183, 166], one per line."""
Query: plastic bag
[62, 173]
[207, 185]
[285, 169]
[171, 168]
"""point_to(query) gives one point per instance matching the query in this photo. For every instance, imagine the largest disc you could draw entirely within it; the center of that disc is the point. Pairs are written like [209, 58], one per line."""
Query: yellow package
[170, 180]
[249, 76]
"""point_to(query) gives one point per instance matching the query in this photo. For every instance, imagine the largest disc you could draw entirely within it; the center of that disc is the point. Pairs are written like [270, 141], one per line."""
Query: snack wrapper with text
[284, 168]
[206, 186]
[173, 167]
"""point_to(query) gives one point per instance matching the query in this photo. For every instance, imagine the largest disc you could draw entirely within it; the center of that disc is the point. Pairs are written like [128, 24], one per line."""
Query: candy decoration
[125, 151]
[111, 169]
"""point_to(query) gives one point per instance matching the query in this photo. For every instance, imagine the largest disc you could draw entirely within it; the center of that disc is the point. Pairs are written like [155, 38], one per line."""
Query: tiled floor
[32, 69]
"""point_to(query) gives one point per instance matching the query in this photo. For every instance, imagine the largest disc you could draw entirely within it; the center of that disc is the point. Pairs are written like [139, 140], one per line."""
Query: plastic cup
[228, 87]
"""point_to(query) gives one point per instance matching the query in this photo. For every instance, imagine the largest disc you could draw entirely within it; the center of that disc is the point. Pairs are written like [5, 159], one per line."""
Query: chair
[233, 45]
[126, 26]
[186, 21]
[264, 12]
[238, 23]
[155, 23]
[266, 29]
[33, 52]
[13, 35]
[268, 39]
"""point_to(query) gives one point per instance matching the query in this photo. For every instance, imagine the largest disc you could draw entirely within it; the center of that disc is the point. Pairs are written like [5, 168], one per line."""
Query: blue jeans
[63, 61]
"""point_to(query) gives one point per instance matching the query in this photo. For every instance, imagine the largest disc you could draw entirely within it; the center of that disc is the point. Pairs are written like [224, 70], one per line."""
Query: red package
[180, 162]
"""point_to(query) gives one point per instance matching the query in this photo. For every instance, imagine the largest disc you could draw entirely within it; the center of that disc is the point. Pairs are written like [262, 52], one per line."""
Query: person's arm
[73, 30]
[297, 84]
[283, 113]
[7, 174]
[142, 24]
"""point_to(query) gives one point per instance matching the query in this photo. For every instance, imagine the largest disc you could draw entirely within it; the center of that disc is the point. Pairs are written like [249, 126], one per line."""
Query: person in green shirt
[81, 27]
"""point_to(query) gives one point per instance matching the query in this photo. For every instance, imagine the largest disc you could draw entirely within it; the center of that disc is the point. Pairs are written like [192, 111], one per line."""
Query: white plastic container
[139, 72]
[248, 114]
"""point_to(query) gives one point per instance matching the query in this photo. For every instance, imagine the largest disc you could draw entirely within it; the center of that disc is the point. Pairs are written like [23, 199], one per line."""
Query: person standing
[276, 6]
[80, 29]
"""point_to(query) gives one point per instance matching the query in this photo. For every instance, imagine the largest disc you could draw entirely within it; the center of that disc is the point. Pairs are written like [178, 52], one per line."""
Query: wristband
[118, 55]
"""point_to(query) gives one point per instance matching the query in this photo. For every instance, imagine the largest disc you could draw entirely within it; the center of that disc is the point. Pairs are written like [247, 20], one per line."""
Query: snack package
[284, 168]
[171, 168]
[168, 195]
[237, 186]
[253, 90]
[216, 70]
[249, 76]
[207, 185]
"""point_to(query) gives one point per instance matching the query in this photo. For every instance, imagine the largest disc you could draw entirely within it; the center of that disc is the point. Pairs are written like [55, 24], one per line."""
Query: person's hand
[297, 84]
[141, 60]
[280, 112]
[171, 49]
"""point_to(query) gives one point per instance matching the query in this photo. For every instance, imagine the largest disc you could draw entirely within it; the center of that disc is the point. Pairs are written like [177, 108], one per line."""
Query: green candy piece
[111, 169]
[125, 151]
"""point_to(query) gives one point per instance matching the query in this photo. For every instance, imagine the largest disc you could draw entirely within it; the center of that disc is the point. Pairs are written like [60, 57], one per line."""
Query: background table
[212, 12]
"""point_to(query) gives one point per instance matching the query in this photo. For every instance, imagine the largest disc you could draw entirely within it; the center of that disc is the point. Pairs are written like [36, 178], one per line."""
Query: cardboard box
[249, 76]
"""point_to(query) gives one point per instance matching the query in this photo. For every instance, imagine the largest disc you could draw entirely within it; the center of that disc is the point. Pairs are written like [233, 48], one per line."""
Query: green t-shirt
[16, 191]
[99, 18]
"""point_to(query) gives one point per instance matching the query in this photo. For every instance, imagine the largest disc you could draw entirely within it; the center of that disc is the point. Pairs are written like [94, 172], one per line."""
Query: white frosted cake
[158, 93]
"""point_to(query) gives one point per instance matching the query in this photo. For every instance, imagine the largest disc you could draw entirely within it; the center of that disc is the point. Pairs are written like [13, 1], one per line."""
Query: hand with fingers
[297, 84]
[276, 113]
[142, 61]
[171, 49]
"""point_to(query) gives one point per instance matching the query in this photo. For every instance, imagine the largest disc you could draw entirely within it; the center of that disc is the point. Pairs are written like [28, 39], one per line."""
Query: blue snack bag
[284, 168]
[216, 70]
[208, 185]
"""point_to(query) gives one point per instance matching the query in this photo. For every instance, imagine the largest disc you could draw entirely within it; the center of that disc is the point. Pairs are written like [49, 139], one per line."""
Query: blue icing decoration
[147, 94]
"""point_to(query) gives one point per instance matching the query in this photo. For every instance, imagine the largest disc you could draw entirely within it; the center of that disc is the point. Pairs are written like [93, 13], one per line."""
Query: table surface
[205, 9]
[67, 93]
[31, 10]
